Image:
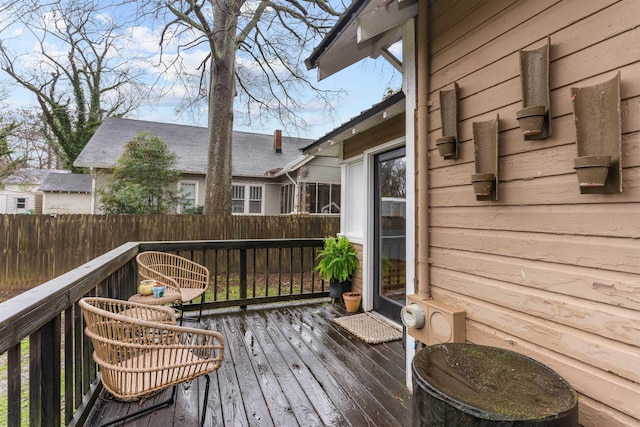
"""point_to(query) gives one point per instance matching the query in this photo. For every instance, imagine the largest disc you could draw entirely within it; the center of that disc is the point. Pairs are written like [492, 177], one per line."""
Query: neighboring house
[66, 193]
[546, 269]
[268, 170]
[20, 194]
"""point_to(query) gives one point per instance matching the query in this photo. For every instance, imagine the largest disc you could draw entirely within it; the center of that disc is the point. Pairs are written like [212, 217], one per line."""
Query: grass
[24, 391]
[257, 286]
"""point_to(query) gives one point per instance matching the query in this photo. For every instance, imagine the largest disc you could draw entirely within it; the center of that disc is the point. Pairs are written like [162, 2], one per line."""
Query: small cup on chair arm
[158, 291]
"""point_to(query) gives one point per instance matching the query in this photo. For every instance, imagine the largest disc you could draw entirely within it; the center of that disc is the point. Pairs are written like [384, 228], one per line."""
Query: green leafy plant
[338, 259]
[144, 180]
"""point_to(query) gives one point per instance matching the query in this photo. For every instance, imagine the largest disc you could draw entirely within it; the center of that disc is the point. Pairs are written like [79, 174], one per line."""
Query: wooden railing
[63, 381]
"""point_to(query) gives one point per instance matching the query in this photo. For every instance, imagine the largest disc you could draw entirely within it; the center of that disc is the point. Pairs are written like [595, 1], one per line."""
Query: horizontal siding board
[601, 353]
[607, 220]
[490, 41]
[595, 414]
[620, 255]
[618, 289]
[496, 42]
[568, 45]
[470, 15]
[622, 325]
[529, 165]
[562, 113]
[557, 190]
[323, 174]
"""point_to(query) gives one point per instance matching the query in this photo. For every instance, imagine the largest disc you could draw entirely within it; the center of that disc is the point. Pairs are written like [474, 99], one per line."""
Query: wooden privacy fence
[37, 248]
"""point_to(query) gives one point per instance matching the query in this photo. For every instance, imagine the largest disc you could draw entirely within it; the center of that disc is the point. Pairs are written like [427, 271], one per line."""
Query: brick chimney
[277, 141]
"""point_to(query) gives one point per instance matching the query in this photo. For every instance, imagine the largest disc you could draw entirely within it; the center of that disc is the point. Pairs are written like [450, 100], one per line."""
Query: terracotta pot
[482, 183]
[446, 146]
[352, 301]
[592, 171]
[531, 119]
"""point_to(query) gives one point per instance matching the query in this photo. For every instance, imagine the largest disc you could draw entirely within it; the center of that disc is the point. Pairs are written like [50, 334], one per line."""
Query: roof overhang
[367, 29]
[328, 145]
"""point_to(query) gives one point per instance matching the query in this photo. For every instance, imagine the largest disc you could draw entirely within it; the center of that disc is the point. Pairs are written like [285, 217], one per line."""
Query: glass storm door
[390, 233]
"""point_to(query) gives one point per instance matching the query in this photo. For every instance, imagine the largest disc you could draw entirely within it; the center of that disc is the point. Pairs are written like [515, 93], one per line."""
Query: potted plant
[352, 301]
[337, 262]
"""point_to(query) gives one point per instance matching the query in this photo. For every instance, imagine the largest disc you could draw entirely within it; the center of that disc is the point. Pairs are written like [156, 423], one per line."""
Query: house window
[240, 204]
[323, 198]
[237, 199]
[255, 200]
[287, 195]
[189, 192]
[21, 203]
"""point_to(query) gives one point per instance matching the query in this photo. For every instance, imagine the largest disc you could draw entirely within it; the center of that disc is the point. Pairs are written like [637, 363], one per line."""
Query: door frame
[383, 305]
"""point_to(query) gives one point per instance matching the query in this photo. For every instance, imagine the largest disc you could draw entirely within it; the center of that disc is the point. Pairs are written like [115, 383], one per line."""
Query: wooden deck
[286, 366]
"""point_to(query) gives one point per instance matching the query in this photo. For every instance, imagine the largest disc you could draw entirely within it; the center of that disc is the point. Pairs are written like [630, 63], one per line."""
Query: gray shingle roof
[253, 153]
[67, 183]
[27, 176]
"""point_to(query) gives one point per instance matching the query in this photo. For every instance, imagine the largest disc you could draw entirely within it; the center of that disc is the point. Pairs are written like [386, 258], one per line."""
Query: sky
[364, 84]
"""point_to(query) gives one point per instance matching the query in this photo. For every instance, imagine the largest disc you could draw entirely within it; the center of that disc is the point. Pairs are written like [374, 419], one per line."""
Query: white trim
[247, 197]
[188, 181]
[368, 253]
[365, 237]
[409, 79]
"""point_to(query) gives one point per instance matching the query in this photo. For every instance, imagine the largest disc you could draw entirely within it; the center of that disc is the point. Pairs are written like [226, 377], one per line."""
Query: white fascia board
[385, 16]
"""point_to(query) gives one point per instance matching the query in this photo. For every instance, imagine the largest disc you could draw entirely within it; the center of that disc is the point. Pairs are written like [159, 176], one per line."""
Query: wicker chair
[140, 350]
[187, 277]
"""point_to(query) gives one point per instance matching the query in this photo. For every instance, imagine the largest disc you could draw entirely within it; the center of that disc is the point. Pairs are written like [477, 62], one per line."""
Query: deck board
[286, 366]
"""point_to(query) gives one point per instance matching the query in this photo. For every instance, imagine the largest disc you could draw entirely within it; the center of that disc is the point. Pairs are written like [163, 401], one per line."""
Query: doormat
[369, 328]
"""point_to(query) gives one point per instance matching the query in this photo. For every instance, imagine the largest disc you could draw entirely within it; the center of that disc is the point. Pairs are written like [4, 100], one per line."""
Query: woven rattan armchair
[189, 278]
[140, 350]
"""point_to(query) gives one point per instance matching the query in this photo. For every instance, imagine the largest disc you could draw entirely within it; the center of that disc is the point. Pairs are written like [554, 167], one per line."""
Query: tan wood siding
[545, 270]
[391, 129]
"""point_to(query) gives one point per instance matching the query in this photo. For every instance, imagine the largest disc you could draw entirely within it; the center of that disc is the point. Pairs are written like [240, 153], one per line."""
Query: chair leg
[167, 402]
[206, 399]
[201, 305]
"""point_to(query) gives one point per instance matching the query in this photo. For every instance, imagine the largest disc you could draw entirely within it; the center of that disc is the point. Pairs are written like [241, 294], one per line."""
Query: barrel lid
[492, 383]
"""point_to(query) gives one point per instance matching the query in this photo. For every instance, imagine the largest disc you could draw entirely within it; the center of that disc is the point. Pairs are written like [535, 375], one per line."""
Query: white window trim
[196, 202]
[247, 197]
[26, 203]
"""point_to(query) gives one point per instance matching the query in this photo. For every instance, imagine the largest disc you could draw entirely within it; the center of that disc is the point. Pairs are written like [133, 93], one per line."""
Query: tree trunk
[221, 97]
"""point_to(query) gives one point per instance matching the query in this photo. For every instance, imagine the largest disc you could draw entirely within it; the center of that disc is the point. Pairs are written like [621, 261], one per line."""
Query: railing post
[44, 375]
[243, 276]
[14, 386]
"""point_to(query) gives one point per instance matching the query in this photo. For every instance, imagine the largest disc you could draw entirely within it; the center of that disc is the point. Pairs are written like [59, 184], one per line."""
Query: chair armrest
[153, 313]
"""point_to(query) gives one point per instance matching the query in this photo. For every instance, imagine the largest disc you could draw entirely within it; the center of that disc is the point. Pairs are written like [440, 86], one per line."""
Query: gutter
[422, 169]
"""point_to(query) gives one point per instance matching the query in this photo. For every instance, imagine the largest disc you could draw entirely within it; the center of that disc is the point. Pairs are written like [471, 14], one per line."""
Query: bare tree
[9, 161]
[79, 73]
[31, 139]
[255, 52]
